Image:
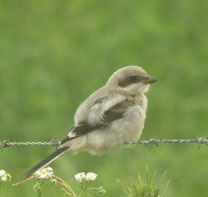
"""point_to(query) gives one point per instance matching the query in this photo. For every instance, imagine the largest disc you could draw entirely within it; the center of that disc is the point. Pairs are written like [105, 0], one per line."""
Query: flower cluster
[82, 177]
[4, 176]
[44, 173]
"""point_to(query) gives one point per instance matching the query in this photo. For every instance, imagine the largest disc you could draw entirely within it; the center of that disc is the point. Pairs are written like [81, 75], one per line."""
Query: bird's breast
[127, 128]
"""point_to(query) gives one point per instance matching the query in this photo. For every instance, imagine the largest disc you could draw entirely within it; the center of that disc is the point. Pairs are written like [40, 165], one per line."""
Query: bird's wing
[104, 111]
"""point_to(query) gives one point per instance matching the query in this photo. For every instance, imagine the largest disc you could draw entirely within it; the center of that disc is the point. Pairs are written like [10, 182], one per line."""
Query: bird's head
[132, 79]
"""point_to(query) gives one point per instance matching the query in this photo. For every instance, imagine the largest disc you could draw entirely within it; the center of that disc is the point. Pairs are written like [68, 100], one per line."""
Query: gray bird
[109, 117]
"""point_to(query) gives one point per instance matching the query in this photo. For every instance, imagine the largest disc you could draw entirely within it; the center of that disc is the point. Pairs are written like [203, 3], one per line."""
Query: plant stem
[24, 180]
[67, 193]
[63, 183]
[1, 190]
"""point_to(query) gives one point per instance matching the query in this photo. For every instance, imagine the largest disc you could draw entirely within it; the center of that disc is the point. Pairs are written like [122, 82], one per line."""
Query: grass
[147, 186]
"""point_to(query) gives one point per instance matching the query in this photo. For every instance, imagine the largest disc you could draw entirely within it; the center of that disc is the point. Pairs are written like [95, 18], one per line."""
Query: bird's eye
[133, 78]
[129, 80]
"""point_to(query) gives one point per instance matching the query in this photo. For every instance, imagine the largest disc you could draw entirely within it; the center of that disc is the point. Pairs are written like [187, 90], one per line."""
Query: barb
[156, 142]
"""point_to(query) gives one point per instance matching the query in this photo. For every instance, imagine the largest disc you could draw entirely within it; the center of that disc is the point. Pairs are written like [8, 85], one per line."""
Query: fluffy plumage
[109, 117]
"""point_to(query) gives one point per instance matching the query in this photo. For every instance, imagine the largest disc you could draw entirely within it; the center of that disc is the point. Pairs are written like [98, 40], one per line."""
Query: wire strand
[156, 142]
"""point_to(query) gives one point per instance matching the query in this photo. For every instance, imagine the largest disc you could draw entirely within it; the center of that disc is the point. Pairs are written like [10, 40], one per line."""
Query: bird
[109, 117]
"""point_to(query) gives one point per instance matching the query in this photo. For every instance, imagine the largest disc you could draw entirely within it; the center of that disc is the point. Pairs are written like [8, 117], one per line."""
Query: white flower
[4, 176]
[80, 177]
[91, 176]
[45, 173]
[49, 169]
[2, 173]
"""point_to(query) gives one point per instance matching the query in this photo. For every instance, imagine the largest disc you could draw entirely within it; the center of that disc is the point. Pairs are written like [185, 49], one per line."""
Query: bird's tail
[59, 152]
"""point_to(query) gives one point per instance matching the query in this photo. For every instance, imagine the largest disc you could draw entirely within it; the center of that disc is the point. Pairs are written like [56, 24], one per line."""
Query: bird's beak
[149, 80]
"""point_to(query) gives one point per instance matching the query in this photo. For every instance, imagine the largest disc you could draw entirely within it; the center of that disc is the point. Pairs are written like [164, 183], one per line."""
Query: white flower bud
[2, 173]
[4, 178]
[91, 176]
[49, 169]
[80, 177]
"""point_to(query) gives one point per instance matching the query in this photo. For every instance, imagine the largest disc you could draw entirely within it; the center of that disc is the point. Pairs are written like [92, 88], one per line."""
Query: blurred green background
[53, 54]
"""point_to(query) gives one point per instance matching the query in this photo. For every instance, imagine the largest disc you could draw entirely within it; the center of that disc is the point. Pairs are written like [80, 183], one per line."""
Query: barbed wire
[5, 143]
[199, 141]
